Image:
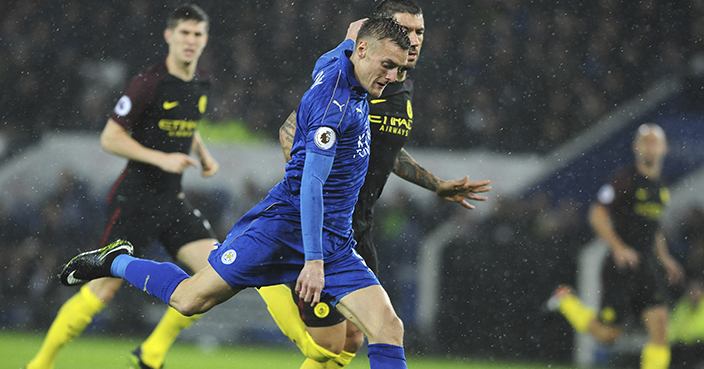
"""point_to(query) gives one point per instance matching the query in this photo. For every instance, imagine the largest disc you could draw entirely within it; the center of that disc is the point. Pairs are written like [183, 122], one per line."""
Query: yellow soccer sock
[285, 313]
[576, 313]
[655, 356]
[72, 318]
[340, 361]
[154, 348]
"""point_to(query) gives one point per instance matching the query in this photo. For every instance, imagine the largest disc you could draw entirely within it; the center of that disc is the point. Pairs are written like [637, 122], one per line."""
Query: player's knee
[186, 308]
[390, 330]
[354, 341]
[188, 305]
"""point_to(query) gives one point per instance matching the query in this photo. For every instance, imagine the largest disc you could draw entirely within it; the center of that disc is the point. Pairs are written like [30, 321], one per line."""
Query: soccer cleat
[553, 303]
[93, 264]
[136, 360]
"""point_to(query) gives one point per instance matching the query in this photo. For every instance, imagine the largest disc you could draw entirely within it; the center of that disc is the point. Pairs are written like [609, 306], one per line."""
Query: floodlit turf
[111, 353]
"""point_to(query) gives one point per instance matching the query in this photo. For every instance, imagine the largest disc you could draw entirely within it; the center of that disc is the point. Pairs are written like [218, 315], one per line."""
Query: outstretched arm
[286, 133]
[458, 191]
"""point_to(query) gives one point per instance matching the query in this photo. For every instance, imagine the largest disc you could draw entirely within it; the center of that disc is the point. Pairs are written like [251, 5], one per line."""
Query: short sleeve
[134, 101]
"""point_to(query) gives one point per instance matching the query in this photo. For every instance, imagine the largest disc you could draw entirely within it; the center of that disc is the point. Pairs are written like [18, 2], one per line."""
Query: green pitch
[111, 353]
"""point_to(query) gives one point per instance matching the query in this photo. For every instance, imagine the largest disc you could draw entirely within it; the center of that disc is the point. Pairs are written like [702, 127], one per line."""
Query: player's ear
[167, 34]
[362, 49]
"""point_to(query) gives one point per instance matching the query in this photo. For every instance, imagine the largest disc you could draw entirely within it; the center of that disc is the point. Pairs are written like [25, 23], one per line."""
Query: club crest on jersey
[124, 105]
[229, 257]
[324, 137]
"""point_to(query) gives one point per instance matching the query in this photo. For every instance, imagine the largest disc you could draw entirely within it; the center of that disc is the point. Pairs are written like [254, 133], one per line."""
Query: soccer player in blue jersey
[302, 231]
[323, 335]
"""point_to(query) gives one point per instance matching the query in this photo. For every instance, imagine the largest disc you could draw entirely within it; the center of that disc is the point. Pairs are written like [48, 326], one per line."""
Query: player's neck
[649, 171]
[401, 75]
[184, 71]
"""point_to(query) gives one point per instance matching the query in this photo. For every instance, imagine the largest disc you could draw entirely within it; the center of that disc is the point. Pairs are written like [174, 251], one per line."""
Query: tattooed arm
[286, 133]
[458, 191]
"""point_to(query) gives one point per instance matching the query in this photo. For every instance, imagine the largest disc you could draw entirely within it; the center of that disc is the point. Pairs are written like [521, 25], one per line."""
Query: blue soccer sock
[385, 356]
[156, 279]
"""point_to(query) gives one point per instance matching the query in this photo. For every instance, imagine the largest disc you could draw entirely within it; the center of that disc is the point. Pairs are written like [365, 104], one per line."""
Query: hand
[311, 281]
[625, 257]
[462, 190]
[210, 166]
[177, 162]
[353, 29]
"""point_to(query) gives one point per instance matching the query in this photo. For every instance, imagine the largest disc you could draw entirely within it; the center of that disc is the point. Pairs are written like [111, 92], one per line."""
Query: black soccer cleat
[93, 264]
[136, 360]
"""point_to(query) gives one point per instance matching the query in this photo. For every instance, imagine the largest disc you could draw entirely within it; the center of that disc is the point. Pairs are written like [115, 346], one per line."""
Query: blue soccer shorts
[265, 247]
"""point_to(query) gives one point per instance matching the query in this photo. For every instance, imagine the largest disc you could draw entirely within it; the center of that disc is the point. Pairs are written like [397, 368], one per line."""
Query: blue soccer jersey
[332, 120]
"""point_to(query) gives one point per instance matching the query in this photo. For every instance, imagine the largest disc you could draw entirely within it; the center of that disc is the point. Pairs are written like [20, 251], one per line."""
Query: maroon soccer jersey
[162, 112]
[636, 204]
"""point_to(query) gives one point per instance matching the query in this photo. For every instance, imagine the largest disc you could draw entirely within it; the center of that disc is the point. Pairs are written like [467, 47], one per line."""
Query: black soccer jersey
[390, 121]
[636, 204]
[162, 112]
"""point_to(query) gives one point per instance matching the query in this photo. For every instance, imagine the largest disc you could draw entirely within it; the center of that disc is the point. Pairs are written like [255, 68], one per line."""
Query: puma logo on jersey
[168, 105]
[338, 104]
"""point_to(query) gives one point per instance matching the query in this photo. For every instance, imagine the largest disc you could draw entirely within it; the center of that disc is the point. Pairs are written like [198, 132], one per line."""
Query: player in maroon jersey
[154, 126]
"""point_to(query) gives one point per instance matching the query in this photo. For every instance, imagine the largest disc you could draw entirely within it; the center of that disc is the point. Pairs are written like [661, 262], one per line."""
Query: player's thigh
[195, 254]
[331, 338]
[378, 320]
[201, 292]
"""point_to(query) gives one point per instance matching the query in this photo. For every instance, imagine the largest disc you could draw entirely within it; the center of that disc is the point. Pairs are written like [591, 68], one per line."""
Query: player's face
[650, 149]
[415, 26]
[379, 64]
[187, 40]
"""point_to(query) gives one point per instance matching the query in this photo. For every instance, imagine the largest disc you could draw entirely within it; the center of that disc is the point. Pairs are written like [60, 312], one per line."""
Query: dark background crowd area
[498, 75]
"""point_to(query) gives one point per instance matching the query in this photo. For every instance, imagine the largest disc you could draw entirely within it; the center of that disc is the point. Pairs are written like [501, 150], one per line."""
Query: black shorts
[173, 223]
[627, 293]
[322, 315]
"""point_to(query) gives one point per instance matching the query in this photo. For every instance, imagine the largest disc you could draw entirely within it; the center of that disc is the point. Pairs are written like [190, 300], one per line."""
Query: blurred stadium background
[541, 97]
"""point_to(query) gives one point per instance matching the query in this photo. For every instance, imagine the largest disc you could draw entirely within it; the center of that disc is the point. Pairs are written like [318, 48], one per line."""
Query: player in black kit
[626, 215]
[321, 332]
[161, 108]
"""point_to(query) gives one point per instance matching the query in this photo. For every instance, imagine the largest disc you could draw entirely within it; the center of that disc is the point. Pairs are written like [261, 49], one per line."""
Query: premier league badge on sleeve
[324, 138]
